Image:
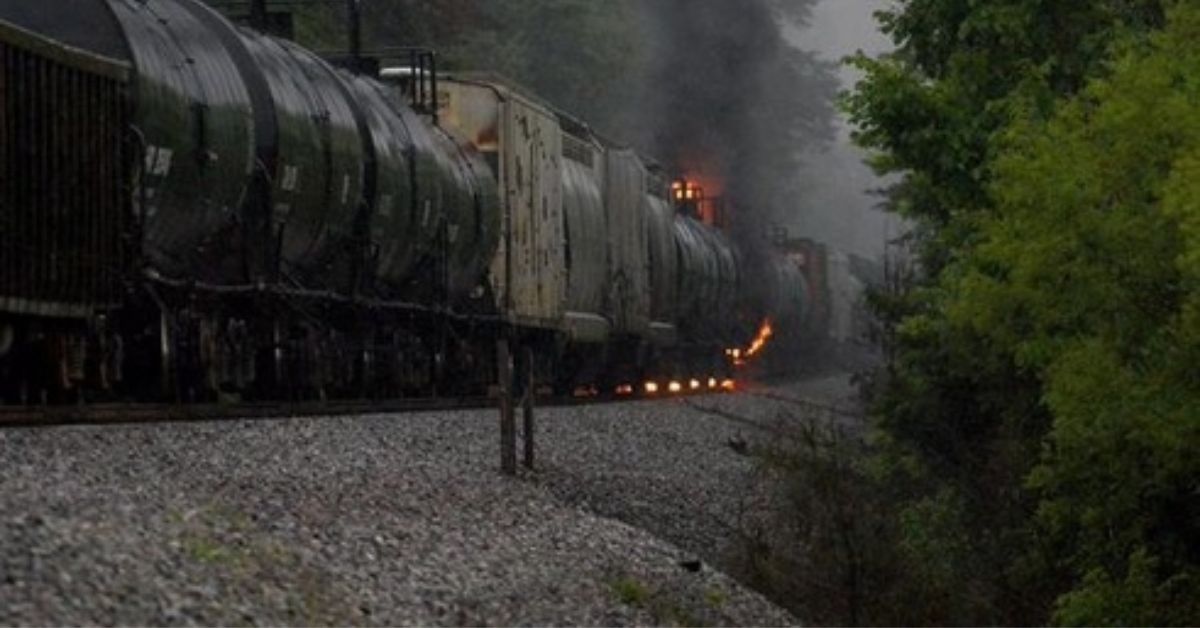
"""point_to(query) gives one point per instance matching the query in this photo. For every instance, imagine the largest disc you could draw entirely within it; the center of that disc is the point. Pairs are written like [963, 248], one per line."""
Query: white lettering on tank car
[291, 174]
[151, 159]
[162, 165]
[345, 188]
[425, 213]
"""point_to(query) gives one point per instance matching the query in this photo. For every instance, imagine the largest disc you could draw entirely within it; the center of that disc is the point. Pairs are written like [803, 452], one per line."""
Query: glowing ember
[728, 385]
[585, 392]
[694, 384]
[625, 390]
[651, 387]
[675, 387]
[684, 190]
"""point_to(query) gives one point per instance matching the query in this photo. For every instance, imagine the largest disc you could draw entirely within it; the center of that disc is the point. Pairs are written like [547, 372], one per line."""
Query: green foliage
[1043, 401]
[574, 53]
[716, 598]
[830, 553]
[630, 591]
[579, 54]
[852, 542]
[662, 605]
[930, 110]
[1139, 599]
[1086, 275]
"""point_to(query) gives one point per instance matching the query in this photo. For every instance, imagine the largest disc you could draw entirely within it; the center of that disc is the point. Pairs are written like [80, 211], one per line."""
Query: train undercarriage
[179, 346]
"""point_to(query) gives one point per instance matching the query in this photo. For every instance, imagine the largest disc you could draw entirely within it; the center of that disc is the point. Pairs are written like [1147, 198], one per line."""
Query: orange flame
[739, 356]
[684, 190]
[764, 334]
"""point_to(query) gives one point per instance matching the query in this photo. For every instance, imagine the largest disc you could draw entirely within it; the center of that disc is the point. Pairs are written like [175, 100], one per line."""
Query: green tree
[969, 396]
[1087, 273]
[578, 54]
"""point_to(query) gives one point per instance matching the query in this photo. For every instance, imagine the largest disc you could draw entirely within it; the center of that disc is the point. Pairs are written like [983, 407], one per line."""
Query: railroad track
[118, 413]
[130, 413]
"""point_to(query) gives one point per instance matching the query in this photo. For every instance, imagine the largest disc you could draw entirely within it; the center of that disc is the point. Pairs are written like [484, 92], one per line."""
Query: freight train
[192, 210]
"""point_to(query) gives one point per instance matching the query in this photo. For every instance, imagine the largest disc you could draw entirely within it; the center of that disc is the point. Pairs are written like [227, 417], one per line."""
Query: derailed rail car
[241, 217]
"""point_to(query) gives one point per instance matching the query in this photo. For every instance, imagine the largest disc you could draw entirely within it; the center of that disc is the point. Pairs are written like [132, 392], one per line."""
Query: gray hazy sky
[843, 27]
[837, 206]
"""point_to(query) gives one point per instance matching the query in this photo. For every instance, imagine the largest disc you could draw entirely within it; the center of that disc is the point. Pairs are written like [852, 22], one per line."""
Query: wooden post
[508, 426]
[527, 403]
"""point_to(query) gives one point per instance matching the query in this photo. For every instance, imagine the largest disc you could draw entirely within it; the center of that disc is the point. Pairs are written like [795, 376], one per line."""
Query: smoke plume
[733, 104]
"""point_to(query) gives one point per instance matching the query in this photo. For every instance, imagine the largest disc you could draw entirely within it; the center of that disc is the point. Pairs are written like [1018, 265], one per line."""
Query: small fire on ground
[740, 356]
[676, 387]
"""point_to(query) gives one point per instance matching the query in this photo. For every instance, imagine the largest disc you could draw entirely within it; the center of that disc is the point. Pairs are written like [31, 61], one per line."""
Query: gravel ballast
[380, 520]
[682, 468]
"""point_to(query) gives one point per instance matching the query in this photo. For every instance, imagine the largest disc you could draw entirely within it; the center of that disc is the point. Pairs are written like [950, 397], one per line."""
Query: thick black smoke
[710, 87]
[732, 103]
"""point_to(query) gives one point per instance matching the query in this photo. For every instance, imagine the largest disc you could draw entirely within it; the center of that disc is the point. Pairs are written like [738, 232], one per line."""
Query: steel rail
[140, 413]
